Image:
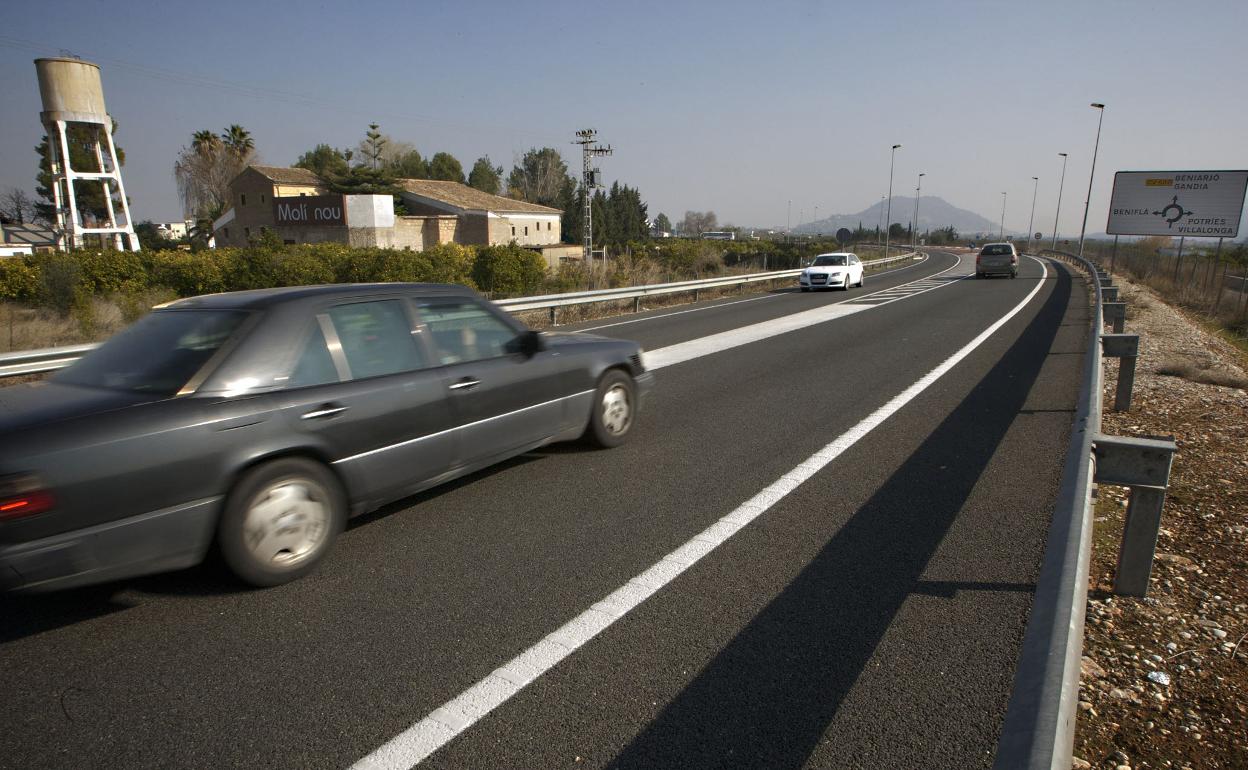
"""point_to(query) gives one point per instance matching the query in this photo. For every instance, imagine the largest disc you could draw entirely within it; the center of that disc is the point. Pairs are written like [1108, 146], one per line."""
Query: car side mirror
[531, 343]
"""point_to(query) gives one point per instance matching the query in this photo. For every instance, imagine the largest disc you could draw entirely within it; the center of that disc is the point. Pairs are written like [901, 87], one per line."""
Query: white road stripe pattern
[683, 351]
[409, 748]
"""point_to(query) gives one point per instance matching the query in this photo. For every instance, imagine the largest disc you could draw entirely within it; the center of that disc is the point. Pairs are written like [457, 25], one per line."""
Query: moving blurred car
[839, 269]
[260, 420]
[997, 259]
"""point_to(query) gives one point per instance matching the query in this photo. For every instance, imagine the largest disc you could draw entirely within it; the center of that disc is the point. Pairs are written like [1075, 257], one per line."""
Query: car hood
[40, 403]
[824, 270]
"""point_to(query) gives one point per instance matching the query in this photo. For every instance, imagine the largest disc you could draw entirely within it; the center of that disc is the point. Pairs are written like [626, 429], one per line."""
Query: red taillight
[1014, 260]
[22, 496]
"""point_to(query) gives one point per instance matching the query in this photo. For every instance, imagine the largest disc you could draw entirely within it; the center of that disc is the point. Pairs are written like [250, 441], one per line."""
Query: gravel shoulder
[1165, 678]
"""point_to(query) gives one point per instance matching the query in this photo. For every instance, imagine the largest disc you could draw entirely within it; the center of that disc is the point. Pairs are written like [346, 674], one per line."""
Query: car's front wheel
[614, 410]
[280, 520]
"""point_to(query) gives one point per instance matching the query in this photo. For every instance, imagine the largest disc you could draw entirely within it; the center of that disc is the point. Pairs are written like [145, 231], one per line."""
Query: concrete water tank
[71, 91]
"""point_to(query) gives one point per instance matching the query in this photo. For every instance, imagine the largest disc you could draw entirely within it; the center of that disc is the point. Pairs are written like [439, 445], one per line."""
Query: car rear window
[159, 354]
[996, 251]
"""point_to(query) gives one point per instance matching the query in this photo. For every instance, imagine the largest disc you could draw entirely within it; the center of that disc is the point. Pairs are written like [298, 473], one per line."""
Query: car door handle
[465, 384]
[325, 410]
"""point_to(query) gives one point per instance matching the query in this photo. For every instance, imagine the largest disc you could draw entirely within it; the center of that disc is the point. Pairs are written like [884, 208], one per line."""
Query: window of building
[548, 225]
[226, 231]
[526, 229]
[289, 241]
[246, 232]
[262, 197]
[242, 199]
[513, 230]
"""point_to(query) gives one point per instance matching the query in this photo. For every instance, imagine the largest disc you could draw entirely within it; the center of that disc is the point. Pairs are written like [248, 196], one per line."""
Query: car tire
[1013, 275]
[614, 410]
[280, 521]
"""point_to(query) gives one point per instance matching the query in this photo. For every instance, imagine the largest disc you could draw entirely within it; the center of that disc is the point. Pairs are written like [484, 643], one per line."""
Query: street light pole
[788, 217]
[879, 235]
[914, 233]
[1031, 223]
[1084, 229]
[1059, 200]
[888, 217]
[1004, 198]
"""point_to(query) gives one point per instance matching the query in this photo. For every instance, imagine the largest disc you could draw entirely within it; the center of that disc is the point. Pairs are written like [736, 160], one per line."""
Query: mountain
[934, 212]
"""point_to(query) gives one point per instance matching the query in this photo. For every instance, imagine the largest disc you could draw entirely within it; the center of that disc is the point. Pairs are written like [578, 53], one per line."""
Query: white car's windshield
[835, 260]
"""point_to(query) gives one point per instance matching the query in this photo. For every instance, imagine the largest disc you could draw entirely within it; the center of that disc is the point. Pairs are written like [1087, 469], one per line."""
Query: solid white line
[414, 744]
[726, 304]
[714, 343]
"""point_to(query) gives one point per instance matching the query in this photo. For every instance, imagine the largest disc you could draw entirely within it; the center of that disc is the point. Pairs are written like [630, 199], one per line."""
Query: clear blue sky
[736, 107]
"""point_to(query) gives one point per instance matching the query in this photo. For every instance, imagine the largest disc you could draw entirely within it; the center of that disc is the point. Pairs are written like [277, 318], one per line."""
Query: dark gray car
[259, 421]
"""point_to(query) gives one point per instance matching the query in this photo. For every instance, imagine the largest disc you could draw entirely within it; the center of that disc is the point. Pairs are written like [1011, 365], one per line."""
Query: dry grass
[1207, 372]
[26, 328]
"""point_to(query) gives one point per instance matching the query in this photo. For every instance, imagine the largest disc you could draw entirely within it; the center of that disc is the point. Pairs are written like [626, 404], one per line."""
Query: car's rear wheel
[614, 410]
[280, 520]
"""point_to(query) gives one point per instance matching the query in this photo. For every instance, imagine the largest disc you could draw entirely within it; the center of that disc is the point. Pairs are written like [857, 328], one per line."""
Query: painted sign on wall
[309, 211]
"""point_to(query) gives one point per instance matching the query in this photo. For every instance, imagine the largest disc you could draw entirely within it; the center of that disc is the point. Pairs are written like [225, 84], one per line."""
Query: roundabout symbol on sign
[1172, 212]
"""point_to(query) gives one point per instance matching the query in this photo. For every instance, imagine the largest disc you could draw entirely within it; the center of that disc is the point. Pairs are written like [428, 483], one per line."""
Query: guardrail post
[636, 304]
[1126, 348]
[1106, 281]
[554, 316]
[1142, 465]
[1115, 313]
[1109, 293]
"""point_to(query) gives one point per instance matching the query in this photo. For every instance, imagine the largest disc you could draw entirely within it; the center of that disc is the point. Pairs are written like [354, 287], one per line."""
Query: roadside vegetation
[51, 299]
[1201, 281]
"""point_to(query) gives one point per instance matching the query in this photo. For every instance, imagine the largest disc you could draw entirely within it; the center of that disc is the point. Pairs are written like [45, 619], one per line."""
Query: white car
[839, 269]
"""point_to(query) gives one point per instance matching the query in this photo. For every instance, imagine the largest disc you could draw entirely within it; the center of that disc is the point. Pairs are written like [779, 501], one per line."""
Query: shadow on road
[768, 697]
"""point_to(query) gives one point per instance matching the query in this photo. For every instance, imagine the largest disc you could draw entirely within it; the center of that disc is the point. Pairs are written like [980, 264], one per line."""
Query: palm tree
[238, 139]
[204, 141]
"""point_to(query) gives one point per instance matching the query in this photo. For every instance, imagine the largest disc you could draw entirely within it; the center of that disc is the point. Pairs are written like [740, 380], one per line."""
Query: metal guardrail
[1039, 728]
[51, 359]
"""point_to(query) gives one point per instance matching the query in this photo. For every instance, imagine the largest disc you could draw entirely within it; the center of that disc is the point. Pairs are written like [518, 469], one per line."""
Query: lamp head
[1098, 105]
[1062, 154]
[895, 146]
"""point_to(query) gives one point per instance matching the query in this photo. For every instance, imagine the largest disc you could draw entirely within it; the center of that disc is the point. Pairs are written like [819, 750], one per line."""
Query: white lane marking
[413, 745]
[714, 343]
[726, 304]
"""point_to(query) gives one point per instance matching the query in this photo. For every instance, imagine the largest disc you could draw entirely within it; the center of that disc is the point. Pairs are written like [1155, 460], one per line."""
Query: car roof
[998, 243]
[836, 254]
[258, 299]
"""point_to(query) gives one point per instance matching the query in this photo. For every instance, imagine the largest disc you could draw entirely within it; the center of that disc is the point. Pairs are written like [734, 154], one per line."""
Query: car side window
[315, 366]
[376, 338]
[464, 330]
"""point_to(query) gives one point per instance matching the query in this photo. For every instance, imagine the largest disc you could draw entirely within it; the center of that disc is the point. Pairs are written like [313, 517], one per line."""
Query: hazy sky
[736, 107]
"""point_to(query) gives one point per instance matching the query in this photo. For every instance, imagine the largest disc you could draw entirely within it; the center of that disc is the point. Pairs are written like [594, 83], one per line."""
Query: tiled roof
[462, 196]
[283, 175]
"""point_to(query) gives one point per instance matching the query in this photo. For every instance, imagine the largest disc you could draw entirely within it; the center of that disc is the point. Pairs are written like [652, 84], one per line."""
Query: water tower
[75, 118]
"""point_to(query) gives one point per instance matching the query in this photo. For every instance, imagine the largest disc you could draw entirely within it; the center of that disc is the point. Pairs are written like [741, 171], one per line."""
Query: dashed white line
[410, 747]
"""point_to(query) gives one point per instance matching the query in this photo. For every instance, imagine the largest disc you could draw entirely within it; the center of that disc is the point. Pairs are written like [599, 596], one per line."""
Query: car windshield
[996, 251]
[835, 260]
[157, 355]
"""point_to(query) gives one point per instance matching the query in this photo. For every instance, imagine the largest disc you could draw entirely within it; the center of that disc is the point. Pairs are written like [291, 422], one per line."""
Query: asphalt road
[869, 618]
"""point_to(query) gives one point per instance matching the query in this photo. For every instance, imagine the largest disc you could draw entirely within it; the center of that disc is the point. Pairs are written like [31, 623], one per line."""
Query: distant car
[838, 269]
[258, 421]
[997, 259]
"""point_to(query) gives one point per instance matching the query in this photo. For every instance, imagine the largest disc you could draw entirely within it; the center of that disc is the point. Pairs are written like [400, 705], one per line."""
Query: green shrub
[60, 276]
[19, 279]
[109, 271]
[187, 273]
[508, 270]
